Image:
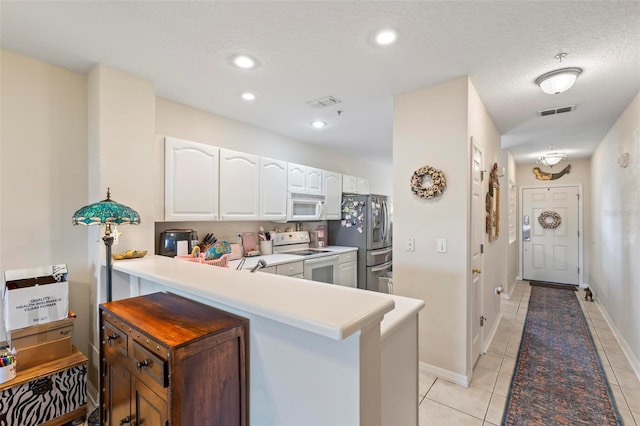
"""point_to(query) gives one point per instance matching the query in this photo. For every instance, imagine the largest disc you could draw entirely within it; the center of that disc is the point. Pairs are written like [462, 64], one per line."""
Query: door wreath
[437, 179]
[549, 220]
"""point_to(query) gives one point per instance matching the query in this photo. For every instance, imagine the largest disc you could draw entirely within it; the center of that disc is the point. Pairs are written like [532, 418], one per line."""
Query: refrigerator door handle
[383, 251]
[387, 224]
[382, 267]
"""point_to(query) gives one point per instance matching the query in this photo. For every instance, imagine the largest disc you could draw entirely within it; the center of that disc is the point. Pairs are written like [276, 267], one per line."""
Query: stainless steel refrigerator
[366, 224]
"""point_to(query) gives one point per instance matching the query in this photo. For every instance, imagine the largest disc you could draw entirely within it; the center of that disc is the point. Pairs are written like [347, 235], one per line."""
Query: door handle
[476, 270]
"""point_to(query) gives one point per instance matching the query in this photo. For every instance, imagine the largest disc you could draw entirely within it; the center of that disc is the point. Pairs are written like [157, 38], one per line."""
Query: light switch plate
[411, 246]
[441, 246]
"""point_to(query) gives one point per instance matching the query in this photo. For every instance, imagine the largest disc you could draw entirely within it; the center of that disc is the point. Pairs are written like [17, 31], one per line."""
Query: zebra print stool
[53, 393]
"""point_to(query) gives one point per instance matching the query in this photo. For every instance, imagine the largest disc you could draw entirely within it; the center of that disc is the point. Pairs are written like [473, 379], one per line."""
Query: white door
[190, 180]
[477, 235]
[239, 185]
[550, 253]
[296, 178]
[273, 189]
[333, 195]
[314, 181]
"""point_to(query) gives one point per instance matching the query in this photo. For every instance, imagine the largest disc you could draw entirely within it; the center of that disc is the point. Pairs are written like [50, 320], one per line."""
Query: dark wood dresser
[167, 360]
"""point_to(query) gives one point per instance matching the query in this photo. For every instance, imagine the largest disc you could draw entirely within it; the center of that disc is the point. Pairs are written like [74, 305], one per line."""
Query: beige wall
[614, 274]
[43, 174]
[432, 126]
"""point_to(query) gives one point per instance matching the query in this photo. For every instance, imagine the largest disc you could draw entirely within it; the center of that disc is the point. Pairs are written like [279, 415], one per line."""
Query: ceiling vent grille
[554, 111]
[324, 102]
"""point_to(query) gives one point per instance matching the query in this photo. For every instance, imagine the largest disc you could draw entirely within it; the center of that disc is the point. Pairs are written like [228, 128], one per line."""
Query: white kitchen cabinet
[239, 185]
[363, 186]
[354, 185]
[190, 180]
[333, 195]
[273, 189]
[304, 180]
[348, 269]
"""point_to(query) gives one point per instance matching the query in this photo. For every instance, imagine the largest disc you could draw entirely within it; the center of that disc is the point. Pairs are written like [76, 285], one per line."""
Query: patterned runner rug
[558, 378]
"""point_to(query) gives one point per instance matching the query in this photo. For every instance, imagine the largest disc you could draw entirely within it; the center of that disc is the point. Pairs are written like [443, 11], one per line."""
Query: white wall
[43, 174]
[614, 274]
[432, 126]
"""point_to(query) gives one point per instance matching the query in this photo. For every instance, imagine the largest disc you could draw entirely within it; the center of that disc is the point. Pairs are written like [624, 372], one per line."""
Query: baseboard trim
[635, 362]
[492, 334]
[458, 379]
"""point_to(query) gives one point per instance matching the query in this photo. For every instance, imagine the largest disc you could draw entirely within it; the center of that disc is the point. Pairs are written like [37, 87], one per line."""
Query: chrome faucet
[261, 264]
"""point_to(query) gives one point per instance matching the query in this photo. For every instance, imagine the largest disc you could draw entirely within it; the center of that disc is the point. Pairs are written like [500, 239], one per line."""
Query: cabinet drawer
[348, 257]
[114, 339]
[149, 364]
[289, 269]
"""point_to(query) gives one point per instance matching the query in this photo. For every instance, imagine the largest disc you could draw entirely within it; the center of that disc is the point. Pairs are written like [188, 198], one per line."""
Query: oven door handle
[382, 267]
[323, 259]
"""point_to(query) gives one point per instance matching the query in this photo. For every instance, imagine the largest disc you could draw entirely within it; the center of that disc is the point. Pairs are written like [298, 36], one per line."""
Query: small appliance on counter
[318, 237]
[177, 242]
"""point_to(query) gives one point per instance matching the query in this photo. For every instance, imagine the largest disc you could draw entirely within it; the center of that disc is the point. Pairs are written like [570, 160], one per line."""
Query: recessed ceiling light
[248, 96]
[245, 62]
[385, 37]
[318, 124]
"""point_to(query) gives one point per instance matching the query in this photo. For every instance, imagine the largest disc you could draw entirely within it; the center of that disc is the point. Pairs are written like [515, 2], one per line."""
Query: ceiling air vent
[554, 111]
[324, 102]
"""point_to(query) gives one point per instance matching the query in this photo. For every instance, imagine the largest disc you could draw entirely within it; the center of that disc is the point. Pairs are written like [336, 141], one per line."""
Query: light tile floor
[444, 403]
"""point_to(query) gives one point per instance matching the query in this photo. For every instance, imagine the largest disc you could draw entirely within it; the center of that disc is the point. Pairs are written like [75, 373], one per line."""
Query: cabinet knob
[114, 336]
[126, 420]
[142, 364]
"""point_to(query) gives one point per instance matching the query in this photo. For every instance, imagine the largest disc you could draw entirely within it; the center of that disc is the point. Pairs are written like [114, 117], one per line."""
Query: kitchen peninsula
[317, 353]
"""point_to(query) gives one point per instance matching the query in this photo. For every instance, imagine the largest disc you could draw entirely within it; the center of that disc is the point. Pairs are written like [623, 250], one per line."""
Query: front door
[550, 239]
[477, 233]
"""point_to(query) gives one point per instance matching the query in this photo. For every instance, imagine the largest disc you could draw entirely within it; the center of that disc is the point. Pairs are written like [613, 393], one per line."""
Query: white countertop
[279, 259]
[332, 311]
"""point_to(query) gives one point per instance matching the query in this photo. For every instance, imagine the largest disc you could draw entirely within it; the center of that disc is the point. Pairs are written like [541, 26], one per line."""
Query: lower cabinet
[348, 269]
[167, 360]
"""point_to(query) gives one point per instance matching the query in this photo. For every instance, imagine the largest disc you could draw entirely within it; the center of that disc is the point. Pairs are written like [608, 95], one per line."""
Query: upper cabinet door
[296, 178]
[273, 189]
[363, 186]
[190, 180]
[314, 181]
[349, 184]
[239, 185]
[333, 195]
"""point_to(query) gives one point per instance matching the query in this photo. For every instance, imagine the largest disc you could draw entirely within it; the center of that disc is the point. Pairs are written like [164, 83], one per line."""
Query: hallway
[444, 403]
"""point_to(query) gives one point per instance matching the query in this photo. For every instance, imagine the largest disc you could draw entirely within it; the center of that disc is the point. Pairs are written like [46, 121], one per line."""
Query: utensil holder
[8, 372]
[266, 247]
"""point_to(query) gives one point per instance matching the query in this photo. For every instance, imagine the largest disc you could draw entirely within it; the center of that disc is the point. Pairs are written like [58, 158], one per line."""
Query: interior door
[477, 234]
[550, 250]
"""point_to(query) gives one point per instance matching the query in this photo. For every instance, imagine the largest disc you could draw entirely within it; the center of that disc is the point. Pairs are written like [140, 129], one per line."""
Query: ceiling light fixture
[560, 80]
[552, 158]
[245, 62]
[385, 37]
[248, 96]
[318, 124]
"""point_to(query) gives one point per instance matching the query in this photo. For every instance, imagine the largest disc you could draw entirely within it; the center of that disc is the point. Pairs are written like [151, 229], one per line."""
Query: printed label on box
[35, 296]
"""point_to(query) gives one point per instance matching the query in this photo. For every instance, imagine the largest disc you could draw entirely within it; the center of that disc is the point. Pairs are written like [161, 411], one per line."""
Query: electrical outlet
[410, 244]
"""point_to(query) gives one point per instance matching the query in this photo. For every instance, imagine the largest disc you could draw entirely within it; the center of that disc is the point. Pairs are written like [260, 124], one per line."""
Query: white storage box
[35, 296]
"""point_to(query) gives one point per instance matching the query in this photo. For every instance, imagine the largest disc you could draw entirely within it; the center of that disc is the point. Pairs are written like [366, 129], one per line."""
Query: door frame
[580, 226]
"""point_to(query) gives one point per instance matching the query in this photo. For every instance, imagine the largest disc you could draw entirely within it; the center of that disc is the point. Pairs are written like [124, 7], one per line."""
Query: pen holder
[8, 372]
[266, 247]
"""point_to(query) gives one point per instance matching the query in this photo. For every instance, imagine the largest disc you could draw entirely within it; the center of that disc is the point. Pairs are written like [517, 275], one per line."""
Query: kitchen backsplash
[229, 230]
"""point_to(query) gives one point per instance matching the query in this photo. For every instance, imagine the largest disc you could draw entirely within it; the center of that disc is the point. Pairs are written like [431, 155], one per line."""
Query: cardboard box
[35, 296]
[42, 333]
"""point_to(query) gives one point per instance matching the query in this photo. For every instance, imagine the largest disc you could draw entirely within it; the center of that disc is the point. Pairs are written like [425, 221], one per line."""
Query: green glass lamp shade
[106, 211]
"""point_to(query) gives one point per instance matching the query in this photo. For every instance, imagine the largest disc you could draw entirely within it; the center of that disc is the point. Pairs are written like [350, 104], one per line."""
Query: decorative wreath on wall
[549, 220]
[437, 179]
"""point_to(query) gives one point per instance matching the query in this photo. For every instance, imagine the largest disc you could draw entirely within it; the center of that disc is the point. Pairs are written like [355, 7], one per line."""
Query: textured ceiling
[311, 49]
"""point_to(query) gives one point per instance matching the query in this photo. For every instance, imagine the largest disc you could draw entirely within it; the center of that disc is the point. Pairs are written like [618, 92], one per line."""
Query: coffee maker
[177, 242]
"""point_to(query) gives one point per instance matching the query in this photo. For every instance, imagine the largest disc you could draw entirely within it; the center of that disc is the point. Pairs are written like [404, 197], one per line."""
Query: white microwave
[304, 206]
